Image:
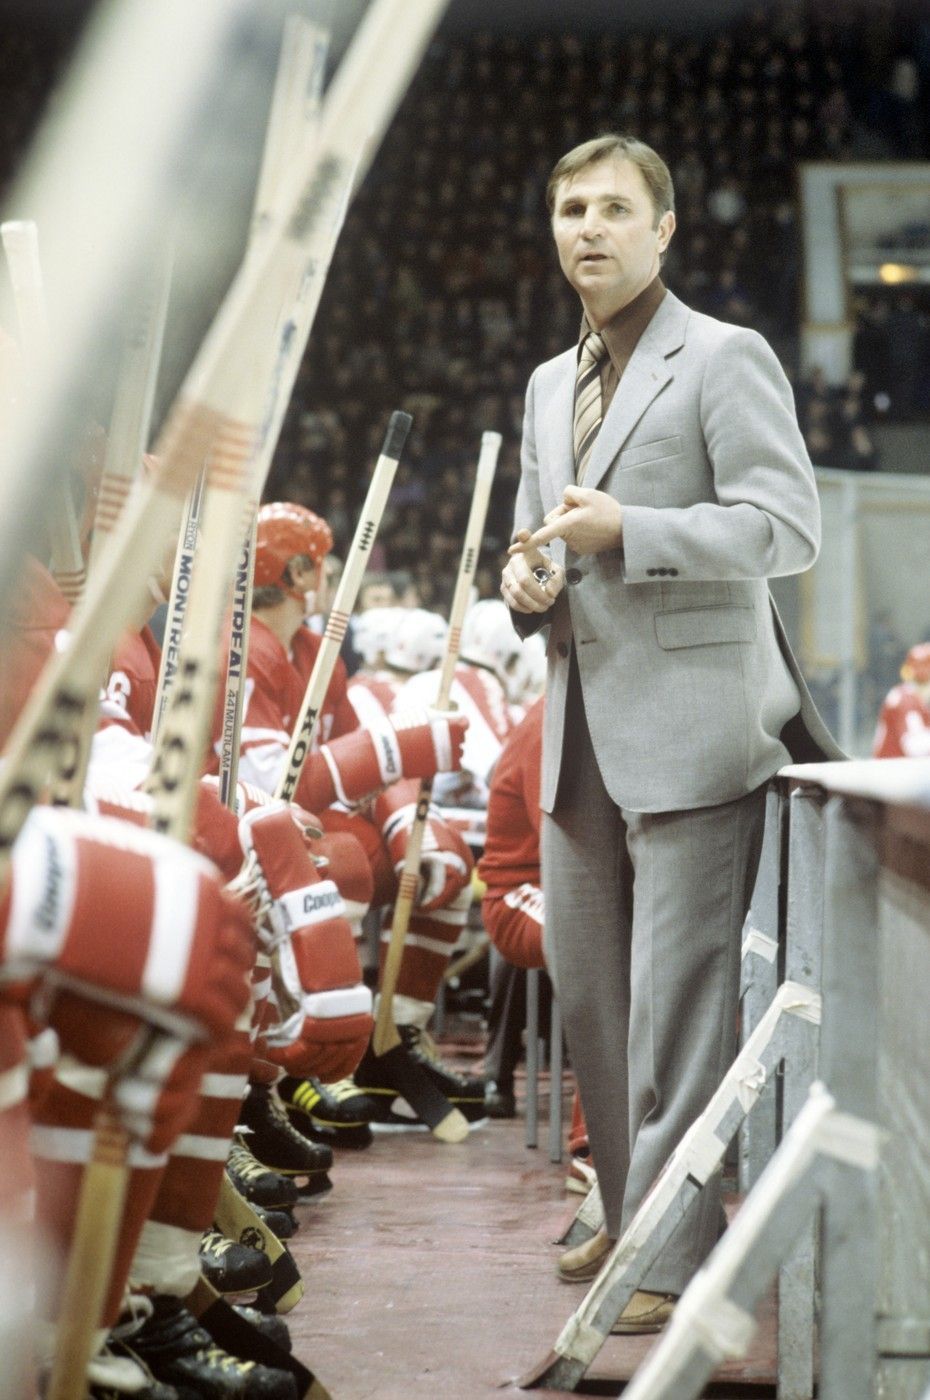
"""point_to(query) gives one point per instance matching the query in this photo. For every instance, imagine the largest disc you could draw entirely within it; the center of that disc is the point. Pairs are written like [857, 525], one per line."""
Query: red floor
[429, 1272]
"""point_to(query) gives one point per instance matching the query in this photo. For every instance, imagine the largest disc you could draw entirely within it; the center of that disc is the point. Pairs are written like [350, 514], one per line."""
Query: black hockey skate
[338, 1113]
[273, 1139]
[257, 1183]
[232, 1267]
[180, 1352]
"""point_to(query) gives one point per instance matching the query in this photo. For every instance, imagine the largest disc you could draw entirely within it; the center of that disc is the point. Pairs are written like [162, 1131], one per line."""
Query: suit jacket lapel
[645, 376]
[560, 447]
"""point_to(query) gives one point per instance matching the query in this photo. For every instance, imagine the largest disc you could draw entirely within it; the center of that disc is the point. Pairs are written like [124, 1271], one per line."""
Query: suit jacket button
[572, 575]
[652, 572]
[562, 648]
[673, 572]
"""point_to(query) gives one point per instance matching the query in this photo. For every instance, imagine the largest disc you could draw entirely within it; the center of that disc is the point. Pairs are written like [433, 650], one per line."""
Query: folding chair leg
[532, 1057]
[555, 1083]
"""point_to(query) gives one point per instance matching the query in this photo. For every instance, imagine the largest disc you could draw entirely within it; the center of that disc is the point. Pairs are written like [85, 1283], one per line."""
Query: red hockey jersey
[903, 725]
[511, 853]
[372, 695]
[129, 696]
[274, 691]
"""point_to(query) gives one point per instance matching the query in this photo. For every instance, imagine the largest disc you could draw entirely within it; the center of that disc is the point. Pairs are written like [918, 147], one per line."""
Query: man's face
[604, 228]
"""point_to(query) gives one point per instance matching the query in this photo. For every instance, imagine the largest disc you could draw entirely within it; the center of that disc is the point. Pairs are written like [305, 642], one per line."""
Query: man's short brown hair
[649, 163]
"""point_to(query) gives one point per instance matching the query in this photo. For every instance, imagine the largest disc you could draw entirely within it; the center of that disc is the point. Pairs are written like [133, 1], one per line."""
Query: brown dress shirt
[621, 336]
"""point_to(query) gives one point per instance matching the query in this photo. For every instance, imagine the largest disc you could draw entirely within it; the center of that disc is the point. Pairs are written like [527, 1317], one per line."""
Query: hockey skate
[338, 1114]
[232, 1267]
[269, 1135]
[257, 1183]
[179, 1352]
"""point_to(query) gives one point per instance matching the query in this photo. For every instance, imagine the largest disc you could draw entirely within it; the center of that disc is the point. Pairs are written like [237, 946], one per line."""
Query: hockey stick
[294, 117]
[387, 1041]
[358, 106]
[138, 99]
[21, 246]
[344, 602]
[130, 424]
[131, 418]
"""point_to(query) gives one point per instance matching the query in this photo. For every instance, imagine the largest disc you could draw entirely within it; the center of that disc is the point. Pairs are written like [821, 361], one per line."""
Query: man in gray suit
[663, 466]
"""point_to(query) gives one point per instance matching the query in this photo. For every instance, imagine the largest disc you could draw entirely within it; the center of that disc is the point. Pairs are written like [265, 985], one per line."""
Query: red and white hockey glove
[445, 860]
[323, 1008]
[125, 916]
[216, 829]
[341, 857]
[351, 768]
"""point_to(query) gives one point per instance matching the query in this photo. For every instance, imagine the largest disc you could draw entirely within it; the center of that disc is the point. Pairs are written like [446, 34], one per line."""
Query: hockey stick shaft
[131, 419]
[130, 424]
[93, 1251]
[21, 246]
[344, 601]
[295, 111]
[386, 1036]
[264, 396]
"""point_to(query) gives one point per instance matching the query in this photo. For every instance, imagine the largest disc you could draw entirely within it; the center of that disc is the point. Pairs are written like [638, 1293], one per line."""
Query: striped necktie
[588, 405]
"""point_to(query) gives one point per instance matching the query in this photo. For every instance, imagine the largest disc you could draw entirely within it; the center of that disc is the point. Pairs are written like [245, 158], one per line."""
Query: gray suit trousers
[644, 916]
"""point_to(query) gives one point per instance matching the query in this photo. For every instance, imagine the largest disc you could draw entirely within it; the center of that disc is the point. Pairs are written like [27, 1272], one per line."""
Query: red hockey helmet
[285, 530]
[917, 664]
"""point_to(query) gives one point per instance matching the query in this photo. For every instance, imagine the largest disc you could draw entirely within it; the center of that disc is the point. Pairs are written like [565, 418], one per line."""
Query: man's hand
[588, 521]
[520, 588]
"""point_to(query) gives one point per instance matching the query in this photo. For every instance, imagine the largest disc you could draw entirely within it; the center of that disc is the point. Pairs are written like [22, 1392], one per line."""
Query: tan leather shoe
[645, 1312]
[583, 1263]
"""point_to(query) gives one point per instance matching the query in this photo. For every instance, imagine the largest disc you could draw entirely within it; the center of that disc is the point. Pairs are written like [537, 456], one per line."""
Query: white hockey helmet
[372, 630]
[489, 639]
[418, 641]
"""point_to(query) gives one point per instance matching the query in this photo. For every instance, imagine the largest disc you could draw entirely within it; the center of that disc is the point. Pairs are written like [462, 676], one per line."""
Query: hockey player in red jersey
[904, 722]
[373, 686]
[152, 984]
[513, 909]
[353, 764]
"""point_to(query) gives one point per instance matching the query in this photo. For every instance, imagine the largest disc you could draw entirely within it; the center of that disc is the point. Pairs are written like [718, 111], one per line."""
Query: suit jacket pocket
[700, 627]
[649, 452]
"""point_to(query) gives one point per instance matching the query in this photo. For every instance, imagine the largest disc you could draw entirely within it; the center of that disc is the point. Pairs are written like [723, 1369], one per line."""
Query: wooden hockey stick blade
[236, 1218]
[241, 1339]
[414, 1084]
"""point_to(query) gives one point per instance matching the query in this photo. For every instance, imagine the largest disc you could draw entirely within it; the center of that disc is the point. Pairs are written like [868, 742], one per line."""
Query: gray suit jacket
[691, 693]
